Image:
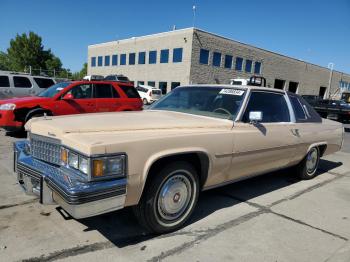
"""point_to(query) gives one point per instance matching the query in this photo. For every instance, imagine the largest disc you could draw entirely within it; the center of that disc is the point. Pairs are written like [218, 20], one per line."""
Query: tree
[28, 50]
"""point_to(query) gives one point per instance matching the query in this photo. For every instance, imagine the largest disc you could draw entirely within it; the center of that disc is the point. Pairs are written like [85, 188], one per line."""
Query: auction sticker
[231, 91]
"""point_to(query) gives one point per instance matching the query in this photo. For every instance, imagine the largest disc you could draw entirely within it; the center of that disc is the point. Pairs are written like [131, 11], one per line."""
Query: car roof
[247, 87]
[149, 87]
[102, 82]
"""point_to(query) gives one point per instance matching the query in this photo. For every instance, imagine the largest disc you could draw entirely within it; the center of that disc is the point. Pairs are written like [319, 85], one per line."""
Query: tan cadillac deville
[193, 139]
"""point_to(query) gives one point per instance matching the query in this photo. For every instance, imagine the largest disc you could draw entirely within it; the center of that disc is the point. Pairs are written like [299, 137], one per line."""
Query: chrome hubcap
[311, 161]
[174, 197]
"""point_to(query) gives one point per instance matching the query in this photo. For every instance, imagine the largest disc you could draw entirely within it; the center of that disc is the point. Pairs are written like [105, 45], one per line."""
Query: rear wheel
[169, 198]
[307, 168]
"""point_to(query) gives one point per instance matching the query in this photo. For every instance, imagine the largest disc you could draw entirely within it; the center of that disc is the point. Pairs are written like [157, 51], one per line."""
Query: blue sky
[310, 30]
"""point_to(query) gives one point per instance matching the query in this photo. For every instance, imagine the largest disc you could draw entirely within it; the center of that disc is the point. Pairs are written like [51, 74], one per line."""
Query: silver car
[19, 85]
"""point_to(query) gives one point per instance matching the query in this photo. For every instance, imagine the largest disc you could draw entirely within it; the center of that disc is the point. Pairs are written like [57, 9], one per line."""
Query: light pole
[330, 67]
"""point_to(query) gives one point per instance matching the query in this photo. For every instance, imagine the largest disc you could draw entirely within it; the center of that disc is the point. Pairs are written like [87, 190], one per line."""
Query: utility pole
[330, 67]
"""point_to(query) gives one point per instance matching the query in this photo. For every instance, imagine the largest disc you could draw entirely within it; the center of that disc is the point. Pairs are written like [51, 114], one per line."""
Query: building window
[140, 83]
[99, 61]
[107, 60]
[142, 58]
[152, 57]
[279, 84]
[204, 57]
[151, 83]
[123, 59]
[257, 68]
[239, 63]
[163, 86]
[293, 87]
[164, 56]
[228, 61]
[248, 66]
[174, 85]
[114, 60]
[177, 55]
[131, 58]
[93, 61]
[216, 59]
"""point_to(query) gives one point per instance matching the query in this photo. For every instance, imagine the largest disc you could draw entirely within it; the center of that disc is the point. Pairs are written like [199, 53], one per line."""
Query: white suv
[149, 94]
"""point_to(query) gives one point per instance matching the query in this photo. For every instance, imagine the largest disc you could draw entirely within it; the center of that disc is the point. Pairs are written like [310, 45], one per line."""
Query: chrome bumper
[62, 186]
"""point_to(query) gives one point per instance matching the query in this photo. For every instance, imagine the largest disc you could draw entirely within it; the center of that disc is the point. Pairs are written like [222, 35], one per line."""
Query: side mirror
[68, 97]
[255, 116]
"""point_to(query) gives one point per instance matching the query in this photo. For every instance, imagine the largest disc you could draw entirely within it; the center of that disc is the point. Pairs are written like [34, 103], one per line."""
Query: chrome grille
[45, 148]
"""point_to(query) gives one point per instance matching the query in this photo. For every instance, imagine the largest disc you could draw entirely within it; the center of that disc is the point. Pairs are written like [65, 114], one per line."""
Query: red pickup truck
[67, 98]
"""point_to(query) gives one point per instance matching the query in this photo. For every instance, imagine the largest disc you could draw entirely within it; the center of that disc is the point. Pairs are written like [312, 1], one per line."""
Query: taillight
[150, 93]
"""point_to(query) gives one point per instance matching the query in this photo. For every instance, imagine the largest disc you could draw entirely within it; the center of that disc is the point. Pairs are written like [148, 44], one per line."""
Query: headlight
[7, 107]
[83, 165]
[73, 160]
[108, 166]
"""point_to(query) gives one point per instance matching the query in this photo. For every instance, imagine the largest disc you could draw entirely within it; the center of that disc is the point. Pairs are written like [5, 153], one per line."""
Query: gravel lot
[275, 217]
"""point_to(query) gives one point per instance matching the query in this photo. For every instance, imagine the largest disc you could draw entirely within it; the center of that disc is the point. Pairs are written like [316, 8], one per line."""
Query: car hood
[19, 101]
[123, 121]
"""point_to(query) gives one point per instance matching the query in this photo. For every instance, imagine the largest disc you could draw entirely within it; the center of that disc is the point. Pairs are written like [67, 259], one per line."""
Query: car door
[80, 102]
[107, 98]
[267, 145]
[22, 86]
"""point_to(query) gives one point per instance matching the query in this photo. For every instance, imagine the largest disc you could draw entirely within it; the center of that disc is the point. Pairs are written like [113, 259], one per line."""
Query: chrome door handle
[295, 132]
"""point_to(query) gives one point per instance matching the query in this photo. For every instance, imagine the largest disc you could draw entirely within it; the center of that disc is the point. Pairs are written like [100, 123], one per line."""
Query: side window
[130, 91]
[298, 108]
[81, 91]
[22, 82]
[105, 91]
[43, 82]
[4, 81]
[273, 107]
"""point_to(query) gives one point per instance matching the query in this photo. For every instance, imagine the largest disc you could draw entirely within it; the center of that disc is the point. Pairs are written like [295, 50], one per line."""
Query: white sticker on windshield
[230, 91]
[59, 88]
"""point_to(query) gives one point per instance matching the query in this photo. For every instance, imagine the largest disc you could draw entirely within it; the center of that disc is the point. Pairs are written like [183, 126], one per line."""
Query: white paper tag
[231, 91]
[59, 88]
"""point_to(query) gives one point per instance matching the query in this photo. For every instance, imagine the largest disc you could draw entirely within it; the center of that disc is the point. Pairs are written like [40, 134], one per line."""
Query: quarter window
[130, 91]
[204, 56]
[216, 59]
[142, 58]
[164, 56]
[239, 63]
[114, 60]
[273, 107]
[298, 109]
[152, 57]
[22, 82]
[123, 59]
[4, 81]
[248, 66]
[177, 55]
[107, 60]
[228, 61]
[131, 58]
[93, 61]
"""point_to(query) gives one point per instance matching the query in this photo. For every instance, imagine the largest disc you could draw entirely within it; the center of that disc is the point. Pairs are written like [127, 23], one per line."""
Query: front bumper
[7, 121]
[58, 185]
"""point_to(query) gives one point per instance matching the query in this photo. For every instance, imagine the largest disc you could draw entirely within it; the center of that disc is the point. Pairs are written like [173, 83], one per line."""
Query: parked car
[158, 160]
[19, 85]
[149, 94]
[93, 77]
[66, 98]
[119, 78]
[338, 110]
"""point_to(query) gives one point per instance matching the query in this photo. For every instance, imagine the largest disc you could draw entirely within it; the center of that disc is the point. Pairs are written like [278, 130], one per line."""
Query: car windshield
[53, 90]
[219, 102]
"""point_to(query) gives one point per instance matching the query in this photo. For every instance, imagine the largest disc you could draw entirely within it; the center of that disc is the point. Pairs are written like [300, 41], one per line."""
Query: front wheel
[307, 168]
[169, 198]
